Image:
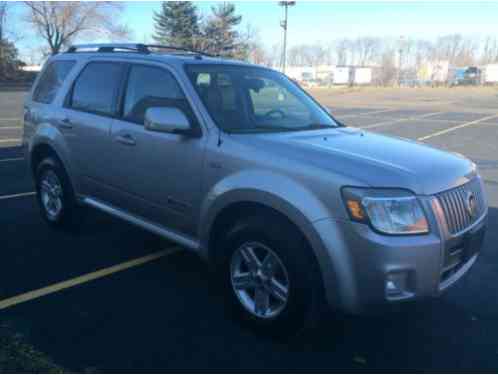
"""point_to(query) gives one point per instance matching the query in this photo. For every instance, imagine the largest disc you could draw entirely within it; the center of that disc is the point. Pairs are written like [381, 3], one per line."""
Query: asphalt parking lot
[162, 313]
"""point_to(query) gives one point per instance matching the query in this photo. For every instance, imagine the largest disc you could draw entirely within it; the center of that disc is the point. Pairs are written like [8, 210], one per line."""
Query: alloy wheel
[51, 194]
[259, 279]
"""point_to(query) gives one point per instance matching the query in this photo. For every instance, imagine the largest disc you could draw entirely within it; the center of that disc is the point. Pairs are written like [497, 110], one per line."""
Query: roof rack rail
[130, 47]
[109, 47]
[179, 49]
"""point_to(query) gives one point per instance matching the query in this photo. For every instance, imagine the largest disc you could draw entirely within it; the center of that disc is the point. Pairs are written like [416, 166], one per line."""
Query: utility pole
[400, 62]
[283, 24]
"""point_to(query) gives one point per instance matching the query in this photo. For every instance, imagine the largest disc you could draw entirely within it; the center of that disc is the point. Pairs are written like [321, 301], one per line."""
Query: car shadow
[9, 152]
[412, 336]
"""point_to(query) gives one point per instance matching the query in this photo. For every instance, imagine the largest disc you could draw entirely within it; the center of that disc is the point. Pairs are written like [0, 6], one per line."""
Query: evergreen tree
[220, 36]
[177, 24]
[9, 60]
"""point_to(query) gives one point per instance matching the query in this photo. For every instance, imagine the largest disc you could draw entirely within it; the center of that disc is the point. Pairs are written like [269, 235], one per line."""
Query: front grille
[455, 206]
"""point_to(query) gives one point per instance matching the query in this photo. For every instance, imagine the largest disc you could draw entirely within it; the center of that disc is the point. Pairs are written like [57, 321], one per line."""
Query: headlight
[387, 211]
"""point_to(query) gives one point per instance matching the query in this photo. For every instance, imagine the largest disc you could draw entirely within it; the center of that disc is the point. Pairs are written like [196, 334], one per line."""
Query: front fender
[267, 188]
[278, 192]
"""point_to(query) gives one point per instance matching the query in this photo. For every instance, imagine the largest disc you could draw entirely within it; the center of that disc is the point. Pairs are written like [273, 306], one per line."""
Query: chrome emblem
[471, 204]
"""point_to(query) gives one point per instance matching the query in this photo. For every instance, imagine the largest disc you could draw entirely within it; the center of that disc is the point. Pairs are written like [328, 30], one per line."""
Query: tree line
[408, 53]
[457, 49]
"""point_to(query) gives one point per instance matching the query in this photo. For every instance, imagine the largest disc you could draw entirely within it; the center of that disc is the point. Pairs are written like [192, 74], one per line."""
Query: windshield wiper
[319, 126]
[315, 126]
[262, 129]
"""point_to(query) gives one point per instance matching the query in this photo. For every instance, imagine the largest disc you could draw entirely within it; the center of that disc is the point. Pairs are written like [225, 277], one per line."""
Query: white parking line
[448, 130]
[34, 294]
[428, 115]
[9, 119]
[12, 159]
[366, 113]
[396, 121]
[20, 195]
[10, 127]
[10, 140]
[382, 123]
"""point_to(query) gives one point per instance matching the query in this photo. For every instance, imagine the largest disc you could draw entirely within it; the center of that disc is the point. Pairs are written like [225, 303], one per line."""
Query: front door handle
[66, 123]
[126, 139]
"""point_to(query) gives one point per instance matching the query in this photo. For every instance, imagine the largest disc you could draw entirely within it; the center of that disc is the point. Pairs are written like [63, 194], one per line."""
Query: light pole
[400, 67]
[283, 24]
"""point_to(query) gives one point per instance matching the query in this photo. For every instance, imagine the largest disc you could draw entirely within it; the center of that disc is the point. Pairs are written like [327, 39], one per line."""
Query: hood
[371, 159]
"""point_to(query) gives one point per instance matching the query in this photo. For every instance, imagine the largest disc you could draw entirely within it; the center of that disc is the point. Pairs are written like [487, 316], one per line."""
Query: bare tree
[366, 50]
[388, 70]
[274, 54]
[3, 18]
[456, 49]
[7, 27]
[490, 50]
[255, 53]
[9, 56]
[422, 52]
[308, 55]
[341, 49]
[59, 23]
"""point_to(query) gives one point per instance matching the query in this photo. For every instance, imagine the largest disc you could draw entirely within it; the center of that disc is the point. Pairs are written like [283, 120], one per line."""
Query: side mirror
[168, 120]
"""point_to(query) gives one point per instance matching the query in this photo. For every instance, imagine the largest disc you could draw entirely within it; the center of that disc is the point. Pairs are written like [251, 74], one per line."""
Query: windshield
[245, 99]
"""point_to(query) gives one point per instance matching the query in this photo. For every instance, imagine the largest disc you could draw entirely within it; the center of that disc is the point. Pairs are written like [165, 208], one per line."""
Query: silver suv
[292, 209]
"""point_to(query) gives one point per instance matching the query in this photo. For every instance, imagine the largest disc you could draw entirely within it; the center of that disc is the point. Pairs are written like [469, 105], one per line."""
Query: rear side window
[96, 88]
[152, 87]
[52, 79]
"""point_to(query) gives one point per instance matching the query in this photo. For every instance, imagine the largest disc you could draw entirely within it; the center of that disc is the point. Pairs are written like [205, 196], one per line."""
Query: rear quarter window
[51, 81]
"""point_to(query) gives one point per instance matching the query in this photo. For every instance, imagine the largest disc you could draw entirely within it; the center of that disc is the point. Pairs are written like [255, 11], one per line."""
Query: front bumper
[373, 270]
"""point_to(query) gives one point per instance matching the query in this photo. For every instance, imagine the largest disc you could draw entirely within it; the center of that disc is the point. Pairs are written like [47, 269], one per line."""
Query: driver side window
[272, 100]
[148, 87]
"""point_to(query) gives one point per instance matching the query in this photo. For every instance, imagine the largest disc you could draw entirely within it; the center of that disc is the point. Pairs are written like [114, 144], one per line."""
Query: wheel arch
[48, 141]
[221, 215]
[39, 152]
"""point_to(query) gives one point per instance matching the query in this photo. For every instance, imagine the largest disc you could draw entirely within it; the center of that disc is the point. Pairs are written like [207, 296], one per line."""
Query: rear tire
[280, 301]
[55, 195]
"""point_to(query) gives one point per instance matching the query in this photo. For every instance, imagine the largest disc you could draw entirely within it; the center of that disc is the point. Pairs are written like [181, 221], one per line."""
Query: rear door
[89, 111]
[158, 175]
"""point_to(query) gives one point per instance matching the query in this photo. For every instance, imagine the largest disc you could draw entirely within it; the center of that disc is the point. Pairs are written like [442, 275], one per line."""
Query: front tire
[55, 195]
[270, 276]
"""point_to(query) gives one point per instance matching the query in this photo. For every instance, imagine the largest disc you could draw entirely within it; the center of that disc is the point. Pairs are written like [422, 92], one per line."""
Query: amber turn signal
[356, 210]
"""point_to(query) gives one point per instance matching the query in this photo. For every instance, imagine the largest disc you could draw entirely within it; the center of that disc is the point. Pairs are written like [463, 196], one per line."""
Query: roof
[137, 51]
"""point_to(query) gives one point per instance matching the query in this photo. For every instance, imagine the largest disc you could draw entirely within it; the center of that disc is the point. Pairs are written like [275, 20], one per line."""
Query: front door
[158, 175]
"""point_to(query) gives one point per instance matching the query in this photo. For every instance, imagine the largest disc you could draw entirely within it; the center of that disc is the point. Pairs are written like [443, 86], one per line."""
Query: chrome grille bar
[455, 206]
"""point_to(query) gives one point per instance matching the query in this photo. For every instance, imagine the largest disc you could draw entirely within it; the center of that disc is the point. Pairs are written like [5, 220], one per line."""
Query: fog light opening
[396, 286]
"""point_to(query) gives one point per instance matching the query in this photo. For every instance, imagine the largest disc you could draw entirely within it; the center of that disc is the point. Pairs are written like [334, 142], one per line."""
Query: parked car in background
[469, 76]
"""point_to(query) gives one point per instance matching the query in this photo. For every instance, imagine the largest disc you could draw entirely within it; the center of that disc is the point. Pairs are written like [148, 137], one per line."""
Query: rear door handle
[66, 123]
[126, 139]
